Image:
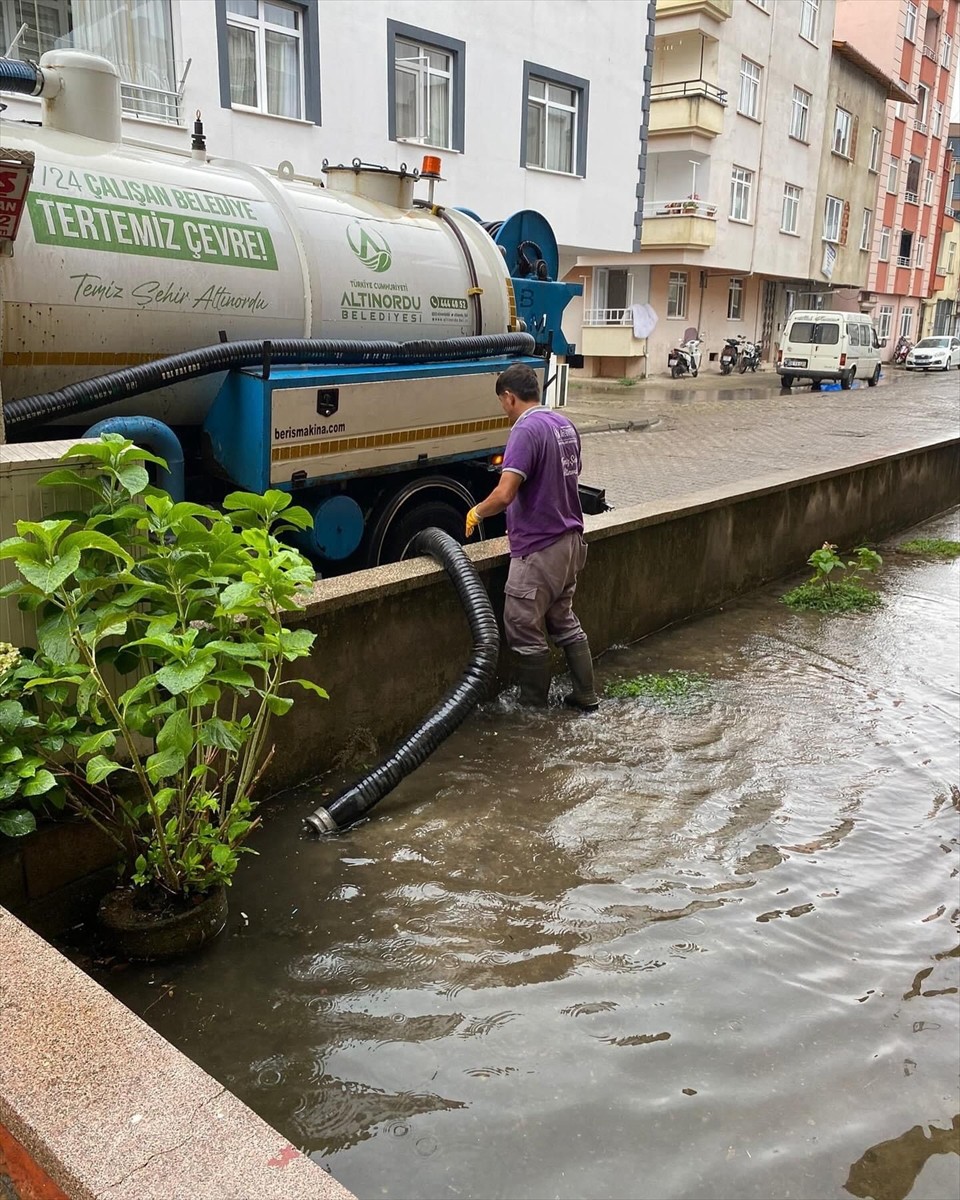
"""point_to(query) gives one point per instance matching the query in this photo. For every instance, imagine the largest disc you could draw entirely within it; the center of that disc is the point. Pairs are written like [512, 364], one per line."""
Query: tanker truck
[337, 336]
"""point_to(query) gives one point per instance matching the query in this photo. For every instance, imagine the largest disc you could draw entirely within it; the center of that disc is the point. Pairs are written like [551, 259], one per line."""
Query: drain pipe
[156, 437]
[356, 801]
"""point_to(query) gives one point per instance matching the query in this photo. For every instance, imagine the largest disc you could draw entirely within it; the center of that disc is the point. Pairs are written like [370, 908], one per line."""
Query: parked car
[822, 345]
[934, 354]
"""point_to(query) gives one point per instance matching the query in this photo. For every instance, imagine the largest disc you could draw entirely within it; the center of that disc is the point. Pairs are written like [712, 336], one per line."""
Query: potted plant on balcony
[690, 205]
[160, 662]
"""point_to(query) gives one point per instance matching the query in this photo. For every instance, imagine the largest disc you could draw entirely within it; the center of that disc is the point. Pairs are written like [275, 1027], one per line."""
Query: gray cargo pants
[539, 591]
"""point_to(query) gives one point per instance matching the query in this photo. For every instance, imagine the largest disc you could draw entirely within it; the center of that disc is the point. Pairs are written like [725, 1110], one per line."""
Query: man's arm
[499, 499]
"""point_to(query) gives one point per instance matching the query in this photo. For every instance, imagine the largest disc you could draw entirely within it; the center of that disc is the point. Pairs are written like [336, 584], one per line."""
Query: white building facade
[528, 103]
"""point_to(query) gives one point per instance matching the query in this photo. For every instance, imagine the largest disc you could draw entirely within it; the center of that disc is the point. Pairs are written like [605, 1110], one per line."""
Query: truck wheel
[847, 380]
[786, 381]
[875, 377]
[410, 521]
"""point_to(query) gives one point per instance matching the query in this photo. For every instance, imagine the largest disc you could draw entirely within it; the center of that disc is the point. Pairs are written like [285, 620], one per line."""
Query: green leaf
[163, 799]
[41, 783]
[216, 732]
[163, 764]
[278, 705]
[178, 678]
[309, 686]
[88, 539]
[133, 477]
[99, 767]
[11, 716]
[10, 754]
[105, 740]
[221, 854]
[66, 476]
[177, 733]
[53, 638]
[296, 643]
[17, 823]
[237, 596]
[48, 577]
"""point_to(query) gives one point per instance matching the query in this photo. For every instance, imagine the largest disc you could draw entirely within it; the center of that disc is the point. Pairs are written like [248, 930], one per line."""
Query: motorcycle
[903, 348]
[749, 356]
[685, 358]
[730, 354]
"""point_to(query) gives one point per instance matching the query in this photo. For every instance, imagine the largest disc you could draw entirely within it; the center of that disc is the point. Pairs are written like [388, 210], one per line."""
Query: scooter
[730, 354]
[903, 348]
[685, 358]
[749, 356]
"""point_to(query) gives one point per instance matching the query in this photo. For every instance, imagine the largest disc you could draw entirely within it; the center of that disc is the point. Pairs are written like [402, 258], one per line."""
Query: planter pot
[133, 930]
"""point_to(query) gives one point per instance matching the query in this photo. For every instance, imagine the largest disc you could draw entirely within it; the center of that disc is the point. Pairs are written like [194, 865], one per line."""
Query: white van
[829, 345]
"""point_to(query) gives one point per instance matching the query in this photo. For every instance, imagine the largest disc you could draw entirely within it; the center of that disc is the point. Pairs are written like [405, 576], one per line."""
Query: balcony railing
[911, 197]
[688, 87]
[930, 52]
[606, 316]
[920, 126]
[903, 260]
[687, 207]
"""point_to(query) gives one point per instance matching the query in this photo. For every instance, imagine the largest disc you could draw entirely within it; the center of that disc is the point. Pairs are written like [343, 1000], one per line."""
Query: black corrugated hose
[208, 360]
[22, 77]
[444, 718]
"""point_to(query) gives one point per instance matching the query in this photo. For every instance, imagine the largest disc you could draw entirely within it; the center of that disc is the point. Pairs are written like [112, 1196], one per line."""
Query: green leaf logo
[370, 247]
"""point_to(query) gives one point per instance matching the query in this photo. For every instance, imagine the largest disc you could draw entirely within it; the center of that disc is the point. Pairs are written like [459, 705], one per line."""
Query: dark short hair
[521, 380]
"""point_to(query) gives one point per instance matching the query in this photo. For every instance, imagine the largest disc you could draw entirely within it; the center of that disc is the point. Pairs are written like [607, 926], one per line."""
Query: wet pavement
[715, 430]
[700, 951]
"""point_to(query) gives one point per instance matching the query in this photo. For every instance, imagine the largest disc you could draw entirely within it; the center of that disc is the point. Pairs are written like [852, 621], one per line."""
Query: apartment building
[941, 314]
[916, 42]
[763, 157]
[529, 104]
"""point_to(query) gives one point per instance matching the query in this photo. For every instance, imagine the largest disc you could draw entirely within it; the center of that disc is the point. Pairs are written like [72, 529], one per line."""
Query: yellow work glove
[473, 519]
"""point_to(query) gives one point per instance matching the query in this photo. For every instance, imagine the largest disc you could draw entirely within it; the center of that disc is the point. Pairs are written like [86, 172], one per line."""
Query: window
[906, 248]
[799, 114]
[741, 183]
[750, 73]
[816, 333]
[866, 229]
[945, 52]
[912, 192]
[853, 334]
[884, 320]
[832, 219]
[764, 4]
[937, 119]
[921, 252]
[842, 125]
[137, 36]
[946, 266]
[554, 133]
[910, 23]
[677, 294]
[425, 90]
[265, 57]
[893, 172]
[920, 112]
[735, 300]
[928, 188]
[809, 19]
[790, 209]
[906, 322]
[883, 254]
[876, 146]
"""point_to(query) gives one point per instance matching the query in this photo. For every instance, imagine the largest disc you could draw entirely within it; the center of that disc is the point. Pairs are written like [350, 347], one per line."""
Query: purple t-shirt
[543, 448]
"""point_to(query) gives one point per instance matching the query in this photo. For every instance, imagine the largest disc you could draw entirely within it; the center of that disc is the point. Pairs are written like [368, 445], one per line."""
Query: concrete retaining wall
[389, 641]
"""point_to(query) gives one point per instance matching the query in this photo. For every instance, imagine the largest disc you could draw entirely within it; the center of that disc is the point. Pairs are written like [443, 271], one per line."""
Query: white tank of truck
[124, 254]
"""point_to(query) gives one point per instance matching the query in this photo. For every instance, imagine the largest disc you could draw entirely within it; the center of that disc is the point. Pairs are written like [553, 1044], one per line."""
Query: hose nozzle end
[320, 822]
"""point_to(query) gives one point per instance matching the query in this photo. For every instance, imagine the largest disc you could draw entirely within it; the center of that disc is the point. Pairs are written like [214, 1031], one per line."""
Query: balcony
[930, 52]
[903, 260]
[719, 10]
[920, 126]
[608, 333]
[686, 106]
[686, 224]
[911, 197]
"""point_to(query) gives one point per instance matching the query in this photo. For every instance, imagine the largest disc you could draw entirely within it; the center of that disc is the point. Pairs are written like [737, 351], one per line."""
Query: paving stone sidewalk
[659, 439]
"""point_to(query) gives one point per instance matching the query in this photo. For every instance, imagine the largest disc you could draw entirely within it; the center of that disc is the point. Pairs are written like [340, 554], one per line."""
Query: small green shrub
[674, 685]
[936, 547]
[835, 585]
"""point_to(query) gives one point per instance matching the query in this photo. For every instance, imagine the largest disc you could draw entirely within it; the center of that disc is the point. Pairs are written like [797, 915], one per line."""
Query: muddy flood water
[708, 950]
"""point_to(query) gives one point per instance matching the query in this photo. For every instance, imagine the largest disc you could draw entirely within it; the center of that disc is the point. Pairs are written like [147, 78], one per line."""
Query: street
[712, 431]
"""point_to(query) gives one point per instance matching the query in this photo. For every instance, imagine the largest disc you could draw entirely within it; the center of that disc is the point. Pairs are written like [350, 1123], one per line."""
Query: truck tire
[846, 381]
[409, 521]
[786, 381]
[875, 377]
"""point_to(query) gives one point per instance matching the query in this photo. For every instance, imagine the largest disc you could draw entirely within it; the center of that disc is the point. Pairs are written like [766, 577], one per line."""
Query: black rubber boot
[533, 675]
[580, 665]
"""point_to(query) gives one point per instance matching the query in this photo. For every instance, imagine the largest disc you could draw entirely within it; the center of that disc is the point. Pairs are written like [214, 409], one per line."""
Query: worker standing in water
[538, 490]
